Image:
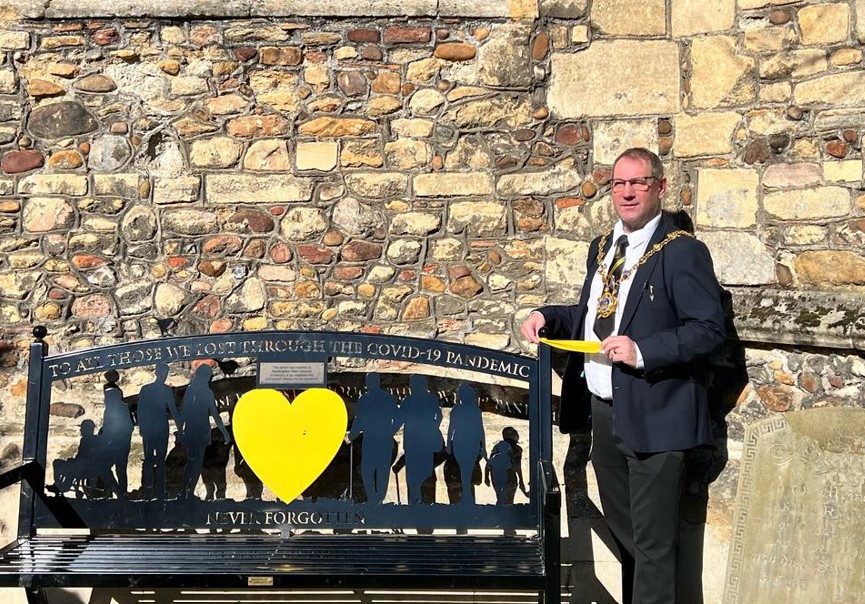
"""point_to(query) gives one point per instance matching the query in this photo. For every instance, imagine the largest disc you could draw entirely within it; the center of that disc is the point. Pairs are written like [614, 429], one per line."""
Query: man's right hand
[532, 325]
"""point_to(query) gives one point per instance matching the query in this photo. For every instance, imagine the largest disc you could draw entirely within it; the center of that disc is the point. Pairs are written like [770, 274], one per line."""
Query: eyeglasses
[637, 184]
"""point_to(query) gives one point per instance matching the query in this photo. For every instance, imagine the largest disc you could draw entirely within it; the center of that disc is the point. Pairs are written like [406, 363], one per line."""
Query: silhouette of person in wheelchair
[88, 474]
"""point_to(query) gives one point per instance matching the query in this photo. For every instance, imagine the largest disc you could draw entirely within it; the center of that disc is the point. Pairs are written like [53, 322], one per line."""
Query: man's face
[636, 208]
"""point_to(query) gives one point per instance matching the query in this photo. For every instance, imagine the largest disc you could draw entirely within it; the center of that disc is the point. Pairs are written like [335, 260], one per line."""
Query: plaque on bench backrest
[799, 526]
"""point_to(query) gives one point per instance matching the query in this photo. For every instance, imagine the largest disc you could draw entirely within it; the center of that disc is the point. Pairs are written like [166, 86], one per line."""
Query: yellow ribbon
[573, 345]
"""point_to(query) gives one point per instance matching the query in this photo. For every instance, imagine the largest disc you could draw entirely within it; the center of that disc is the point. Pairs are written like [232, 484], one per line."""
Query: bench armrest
[551, 510]
[17, 473]
[550, 483]
[550, 499]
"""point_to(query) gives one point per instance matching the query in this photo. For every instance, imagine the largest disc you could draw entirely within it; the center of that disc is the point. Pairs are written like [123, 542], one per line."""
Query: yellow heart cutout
[289, 445]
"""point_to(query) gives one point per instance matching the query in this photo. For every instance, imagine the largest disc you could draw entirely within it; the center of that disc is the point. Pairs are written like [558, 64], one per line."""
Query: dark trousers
[640, 494]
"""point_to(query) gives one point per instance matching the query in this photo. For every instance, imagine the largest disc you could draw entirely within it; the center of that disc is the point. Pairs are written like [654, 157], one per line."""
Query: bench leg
[552, 595]
[36, 595]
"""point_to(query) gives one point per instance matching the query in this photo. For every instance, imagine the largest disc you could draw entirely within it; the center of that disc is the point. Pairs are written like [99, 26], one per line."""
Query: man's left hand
[620, 349]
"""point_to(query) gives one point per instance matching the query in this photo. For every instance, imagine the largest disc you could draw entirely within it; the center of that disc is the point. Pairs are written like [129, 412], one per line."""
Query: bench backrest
[133, 465]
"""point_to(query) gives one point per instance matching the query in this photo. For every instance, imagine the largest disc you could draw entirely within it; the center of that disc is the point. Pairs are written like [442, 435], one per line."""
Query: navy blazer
[674, 314]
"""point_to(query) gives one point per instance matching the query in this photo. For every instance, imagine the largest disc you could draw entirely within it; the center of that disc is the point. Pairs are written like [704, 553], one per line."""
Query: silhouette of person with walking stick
[466, 441]
[117, 433]
[155, 402]
[422, 418]
[199, 405]
[377, 419]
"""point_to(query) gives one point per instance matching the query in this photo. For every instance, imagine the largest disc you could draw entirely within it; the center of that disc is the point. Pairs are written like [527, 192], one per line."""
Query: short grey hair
[647, 156]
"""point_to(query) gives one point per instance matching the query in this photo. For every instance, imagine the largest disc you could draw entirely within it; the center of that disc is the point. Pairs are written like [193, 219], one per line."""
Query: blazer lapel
[643, 274]
[593, 268]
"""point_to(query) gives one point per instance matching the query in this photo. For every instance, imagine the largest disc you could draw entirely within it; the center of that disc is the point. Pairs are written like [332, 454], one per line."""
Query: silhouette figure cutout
[198, 406]
[505, 467]
[88, 473]
[429, 486]
[155, 402]
[216, 456]
[117, 434]
[336, 482]
[466, 441]
[453, 478]
[377, 419]
[422, 438]
[253, 484]
[175, 461]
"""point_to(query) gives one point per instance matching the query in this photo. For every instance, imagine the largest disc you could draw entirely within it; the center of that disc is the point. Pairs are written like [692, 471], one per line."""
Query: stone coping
[233, 9]
[823, 319]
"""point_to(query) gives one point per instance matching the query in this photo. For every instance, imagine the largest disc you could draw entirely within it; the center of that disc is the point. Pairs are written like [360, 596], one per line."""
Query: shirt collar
[640, 236]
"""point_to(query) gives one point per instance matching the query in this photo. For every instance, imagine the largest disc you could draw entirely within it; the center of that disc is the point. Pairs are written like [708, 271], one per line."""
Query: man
[116, 435]
[155, 402]
[422, 437]
[199, 405]
[377, 419]
[466, 442]
[651, 292]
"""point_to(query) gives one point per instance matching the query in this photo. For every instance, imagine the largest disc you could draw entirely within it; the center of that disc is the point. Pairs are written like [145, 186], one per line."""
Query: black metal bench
[82, 525]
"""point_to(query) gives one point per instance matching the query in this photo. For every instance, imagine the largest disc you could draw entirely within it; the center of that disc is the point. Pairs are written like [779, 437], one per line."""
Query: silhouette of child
[505, 466]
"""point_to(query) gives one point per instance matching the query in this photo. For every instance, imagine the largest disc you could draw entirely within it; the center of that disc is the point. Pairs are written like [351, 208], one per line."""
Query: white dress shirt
[599, 368]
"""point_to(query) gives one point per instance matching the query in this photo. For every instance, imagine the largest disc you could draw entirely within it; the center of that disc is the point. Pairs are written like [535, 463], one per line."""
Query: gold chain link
[605, 277]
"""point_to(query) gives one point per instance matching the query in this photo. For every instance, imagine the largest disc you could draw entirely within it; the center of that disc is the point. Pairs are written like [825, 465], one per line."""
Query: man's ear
[662, 187]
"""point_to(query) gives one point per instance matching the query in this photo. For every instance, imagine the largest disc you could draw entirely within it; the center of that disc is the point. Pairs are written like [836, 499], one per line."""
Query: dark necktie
[604, 325]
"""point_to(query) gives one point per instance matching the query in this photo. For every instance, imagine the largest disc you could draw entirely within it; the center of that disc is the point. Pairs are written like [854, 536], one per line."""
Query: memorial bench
[203, 523]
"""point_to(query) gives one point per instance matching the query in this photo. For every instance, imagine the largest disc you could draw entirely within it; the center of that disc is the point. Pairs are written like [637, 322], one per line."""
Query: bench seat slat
[348, 560]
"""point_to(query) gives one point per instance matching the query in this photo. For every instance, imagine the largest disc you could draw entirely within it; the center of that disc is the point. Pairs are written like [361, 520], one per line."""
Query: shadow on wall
[727, 377]
[8, 358]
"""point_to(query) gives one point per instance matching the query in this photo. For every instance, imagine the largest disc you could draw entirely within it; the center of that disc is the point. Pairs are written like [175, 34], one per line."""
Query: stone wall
[434, 168]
